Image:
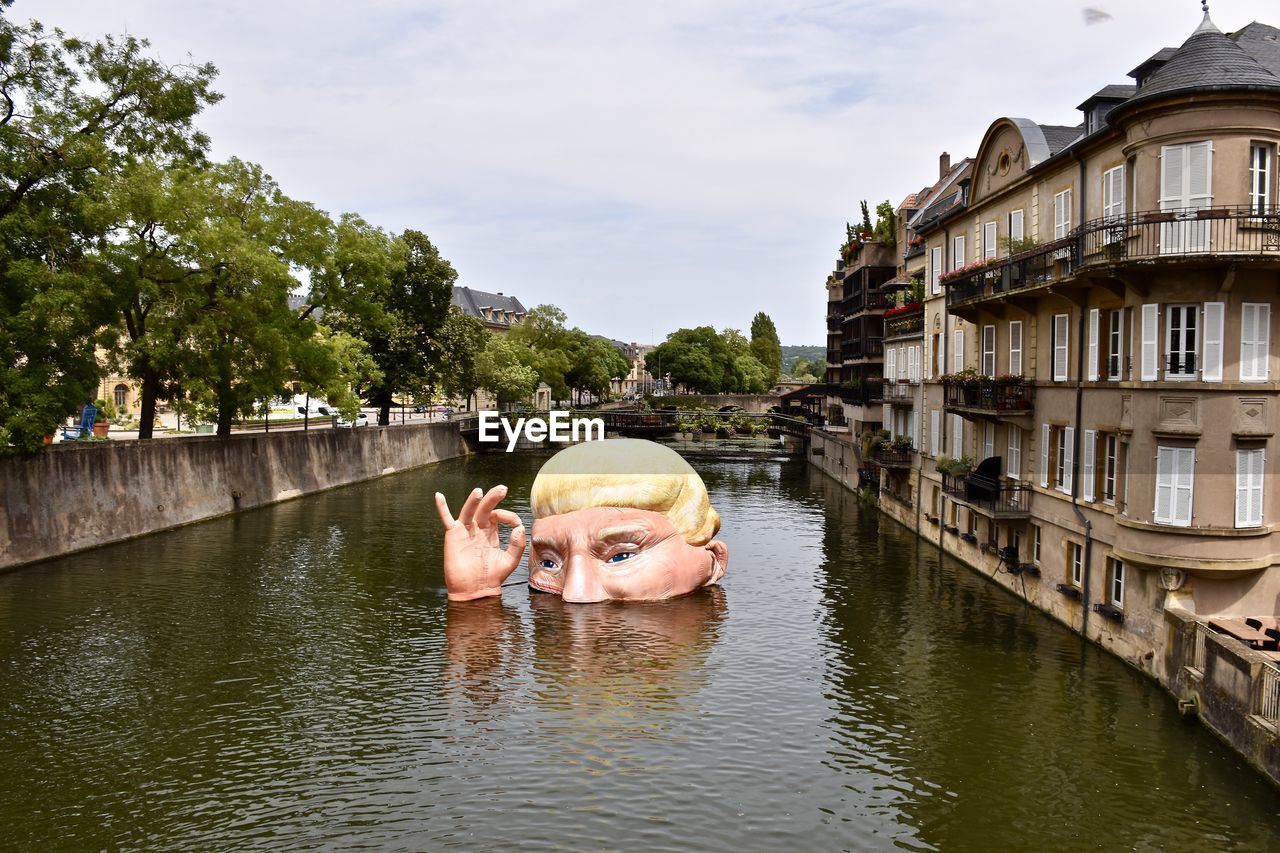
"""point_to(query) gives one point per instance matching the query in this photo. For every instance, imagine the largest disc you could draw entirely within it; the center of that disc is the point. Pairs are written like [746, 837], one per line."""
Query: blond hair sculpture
[631, 473]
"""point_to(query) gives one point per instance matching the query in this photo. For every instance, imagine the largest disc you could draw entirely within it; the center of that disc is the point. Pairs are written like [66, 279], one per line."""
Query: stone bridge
[755, 403]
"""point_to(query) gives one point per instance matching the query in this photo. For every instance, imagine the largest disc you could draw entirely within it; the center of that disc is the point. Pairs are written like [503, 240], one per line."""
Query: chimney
[944, 165]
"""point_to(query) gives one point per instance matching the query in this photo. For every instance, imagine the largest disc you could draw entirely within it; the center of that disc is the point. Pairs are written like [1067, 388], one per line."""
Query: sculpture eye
[549, 565]
[621, 556]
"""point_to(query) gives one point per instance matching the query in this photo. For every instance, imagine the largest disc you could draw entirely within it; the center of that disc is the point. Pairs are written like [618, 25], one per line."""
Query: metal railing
[1240, 231]
[862, 348]
[1199, 647]
[994, 497]
[904, 324]
[1269, 694]
[887, 457]
[900, 392]
[859, 301]
[991, 395]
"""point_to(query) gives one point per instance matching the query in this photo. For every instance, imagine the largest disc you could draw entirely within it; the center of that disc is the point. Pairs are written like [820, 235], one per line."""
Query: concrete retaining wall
[76, 496]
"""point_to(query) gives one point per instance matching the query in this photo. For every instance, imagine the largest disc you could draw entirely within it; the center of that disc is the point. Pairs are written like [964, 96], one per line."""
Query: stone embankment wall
[77, 496]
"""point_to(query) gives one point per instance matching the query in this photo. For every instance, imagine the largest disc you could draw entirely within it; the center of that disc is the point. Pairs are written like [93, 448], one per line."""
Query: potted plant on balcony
[901, 444]
[106, 414]
[1012, 394]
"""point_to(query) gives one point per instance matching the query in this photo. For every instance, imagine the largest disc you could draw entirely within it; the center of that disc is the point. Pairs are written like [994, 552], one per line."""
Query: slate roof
[1262, 43]
[1208, 61]
[929, 199]
[1059, 136]
[1113, 92]
[495, 309]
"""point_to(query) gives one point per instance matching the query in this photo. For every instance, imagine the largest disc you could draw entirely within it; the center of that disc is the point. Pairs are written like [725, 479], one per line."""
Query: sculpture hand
[475, 564]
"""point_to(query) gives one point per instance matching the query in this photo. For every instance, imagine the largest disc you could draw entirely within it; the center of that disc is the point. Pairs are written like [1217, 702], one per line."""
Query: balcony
[889, 457]
[859, 302]
[905, 323]
[862, 348]
[901, 393]
[994, 498]
[1212, 234]
[989, 398]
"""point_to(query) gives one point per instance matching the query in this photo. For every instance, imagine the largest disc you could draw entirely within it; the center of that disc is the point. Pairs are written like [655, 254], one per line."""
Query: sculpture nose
[581, 583]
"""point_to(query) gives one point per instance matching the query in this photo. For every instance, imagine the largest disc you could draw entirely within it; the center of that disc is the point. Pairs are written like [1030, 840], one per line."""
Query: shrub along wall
[77, 496]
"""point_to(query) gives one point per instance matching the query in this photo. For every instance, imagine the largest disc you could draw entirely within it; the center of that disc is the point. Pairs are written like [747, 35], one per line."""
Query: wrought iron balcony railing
[991, 497]
[910, 323]
[991, 396]
[862, 348]
[1233, 233]
[888, 457]
[901, 392]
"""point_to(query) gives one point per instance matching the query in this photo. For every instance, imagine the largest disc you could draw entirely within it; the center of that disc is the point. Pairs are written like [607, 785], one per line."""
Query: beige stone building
[1097, 402]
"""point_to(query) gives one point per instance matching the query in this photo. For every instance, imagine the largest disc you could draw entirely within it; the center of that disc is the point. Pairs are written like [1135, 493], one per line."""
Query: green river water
[294, 677]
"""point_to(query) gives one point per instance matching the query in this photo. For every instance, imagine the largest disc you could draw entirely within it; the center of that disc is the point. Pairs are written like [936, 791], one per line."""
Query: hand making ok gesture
[475, 564]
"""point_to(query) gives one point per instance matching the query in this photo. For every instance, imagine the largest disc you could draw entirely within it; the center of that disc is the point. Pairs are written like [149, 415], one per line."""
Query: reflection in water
[296, 677]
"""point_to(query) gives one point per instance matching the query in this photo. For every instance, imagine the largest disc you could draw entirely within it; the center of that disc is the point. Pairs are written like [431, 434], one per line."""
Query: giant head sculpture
[615, 520]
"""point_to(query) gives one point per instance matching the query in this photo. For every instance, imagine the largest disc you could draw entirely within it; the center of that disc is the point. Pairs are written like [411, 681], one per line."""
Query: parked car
[443, 409]
[362, 420]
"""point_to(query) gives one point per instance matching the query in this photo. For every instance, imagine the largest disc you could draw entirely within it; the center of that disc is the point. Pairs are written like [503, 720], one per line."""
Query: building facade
[1094, 408]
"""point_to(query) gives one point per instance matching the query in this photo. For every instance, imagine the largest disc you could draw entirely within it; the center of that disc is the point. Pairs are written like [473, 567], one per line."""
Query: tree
[694, 358]
[502, 370]
[766, 347]
[73, 114]
[456, 349]
[596, 362]
[549, 342]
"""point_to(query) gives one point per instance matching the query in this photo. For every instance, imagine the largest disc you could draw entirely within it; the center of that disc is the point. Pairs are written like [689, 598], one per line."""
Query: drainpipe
[947, 260]
[1078, 435]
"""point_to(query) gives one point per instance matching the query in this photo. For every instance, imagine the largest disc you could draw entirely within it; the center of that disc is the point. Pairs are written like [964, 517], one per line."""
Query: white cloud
[644, 166]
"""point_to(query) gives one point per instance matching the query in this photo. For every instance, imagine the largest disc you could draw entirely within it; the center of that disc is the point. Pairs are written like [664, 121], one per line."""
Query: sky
[643, 166]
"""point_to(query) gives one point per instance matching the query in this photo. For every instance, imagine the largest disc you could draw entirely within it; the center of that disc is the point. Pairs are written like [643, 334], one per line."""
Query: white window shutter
[1014, 467]
[1150, 342]
[957, 436]
[988, 367]
[1255, 334]
[1183, 485]
[988, 440]
[934, 431]
[957, 358]
[1090, 449]
[1044, 455]
[891, 363]
[957, 252]
[1060, 323]
[1068, 458]
[916, 425]
[989, 240]
[1199, 174]
[1211, 369]
[1164, 485]
[1171, 176]
[1015, 347]
[1094, 318]
[1249, 479]
[935, 269]
[1016, 225]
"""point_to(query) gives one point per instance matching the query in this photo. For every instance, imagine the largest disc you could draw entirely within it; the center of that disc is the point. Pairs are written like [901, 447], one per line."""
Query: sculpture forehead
[591, 520]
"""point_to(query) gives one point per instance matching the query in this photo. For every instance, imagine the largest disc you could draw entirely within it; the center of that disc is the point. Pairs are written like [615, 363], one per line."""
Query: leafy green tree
[695, 358]
[596, 363]
[766, 347]
[73, 114]
[550, 344]
[502, 369]
[456, 348]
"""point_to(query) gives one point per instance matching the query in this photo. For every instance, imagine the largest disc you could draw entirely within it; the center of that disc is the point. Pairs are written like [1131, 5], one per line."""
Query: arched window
[121, 394]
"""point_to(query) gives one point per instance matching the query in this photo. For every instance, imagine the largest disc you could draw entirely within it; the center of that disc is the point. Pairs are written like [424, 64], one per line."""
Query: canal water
[295, 677]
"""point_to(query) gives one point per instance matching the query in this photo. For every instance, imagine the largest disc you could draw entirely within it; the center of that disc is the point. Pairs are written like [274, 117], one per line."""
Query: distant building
[498, 311]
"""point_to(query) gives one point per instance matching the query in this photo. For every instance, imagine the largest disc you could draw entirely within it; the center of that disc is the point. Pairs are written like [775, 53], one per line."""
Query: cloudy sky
[645, 166]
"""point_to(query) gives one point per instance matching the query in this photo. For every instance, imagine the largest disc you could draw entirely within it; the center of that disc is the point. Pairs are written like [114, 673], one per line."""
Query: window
[120, 393]
[935, 269]
[988, 350]
[1259, 178]
[1249, 479]
[988, 440]
[1061, 214]
[1113, 193]
[913, 364]
[1076, 551]
[1035, 544]
[1110, 454]
[1014, 468]
[1045, 431]
[1091, 354]
[934, 431]
[1066, 450]
[1115, 343]
[957, 357]
[1175, 476]
[1115, 582]
[988, 241]
[891, 363]
[1015, 227]
[1255, 337]
[957, 252]
[1150, 342]
[956, 428]
[1185, 184]
[1015, 347]
[1181, 334]
[1089, 452]
[1060, 347]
